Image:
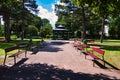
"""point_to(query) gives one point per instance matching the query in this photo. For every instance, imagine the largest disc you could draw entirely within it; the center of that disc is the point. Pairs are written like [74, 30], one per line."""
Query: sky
[46, 10]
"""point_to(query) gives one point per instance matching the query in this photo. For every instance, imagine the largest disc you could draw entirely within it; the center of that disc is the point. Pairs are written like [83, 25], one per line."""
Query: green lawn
[112, 51]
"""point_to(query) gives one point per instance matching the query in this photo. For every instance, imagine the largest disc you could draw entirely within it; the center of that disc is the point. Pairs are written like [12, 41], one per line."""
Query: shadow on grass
[101, 65]
[111, 48]
[47, 72]
[107, 47]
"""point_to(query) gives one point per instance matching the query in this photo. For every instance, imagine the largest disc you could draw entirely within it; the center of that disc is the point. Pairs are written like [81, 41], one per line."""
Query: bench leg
[14, 59]
[25, 53]
[4, 59]
[93, 62]
[104, 63]
[85, 56]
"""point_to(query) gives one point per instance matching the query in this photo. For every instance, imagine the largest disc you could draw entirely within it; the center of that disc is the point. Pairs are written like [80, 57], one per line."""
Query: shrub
[32, 30]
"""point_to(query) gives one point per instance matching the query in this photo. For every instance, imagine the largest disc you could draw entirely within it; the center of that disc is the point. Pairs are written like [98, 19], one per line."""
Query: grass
[112, 51]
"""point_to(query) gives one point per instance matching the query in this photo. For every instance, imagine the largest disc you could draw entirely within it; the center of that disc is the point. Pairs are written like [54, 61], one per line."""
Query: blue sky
[46, 10]
[47, 3]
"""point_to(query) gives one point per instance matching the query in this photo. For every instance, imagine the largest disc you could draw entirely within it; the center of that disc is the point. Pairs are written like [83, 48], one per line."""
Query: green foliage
[68, 16]
[46, 30]
[102, 8]
[114, 28]
[16, 10]
[31, 30]
[78, 34]
[45, 21]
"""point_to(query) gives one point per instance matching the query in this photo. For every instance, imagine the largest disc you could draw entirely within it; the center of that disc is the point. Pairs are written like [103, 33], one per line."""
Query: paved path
[58, 61]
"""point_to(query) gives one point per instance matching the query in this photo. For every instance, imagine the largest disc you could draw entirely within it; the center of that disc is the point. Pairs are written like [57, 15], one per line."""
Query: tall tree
[46, 30]
[100, 7]
[6, 7]
[67, 15]
[81, 6]
[31, 5]
[104, 8]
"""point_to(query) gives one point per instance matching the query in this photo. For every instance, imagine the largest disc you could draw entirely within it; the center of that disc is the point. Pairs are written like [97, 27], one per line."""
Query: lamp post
[71, 12]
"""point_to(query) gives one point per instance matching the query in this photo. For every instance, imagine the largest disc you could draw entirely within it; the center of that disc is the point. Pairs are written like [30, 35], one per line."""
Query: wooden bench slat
[98, 50]
[11, 48]
[92, 55]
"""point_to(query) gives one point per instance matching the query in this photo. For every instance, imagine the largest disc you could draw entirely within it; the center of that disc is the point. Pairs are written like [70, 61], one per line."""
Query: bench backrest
[11, 49]
[100, 51]
[84, 46]
[16, 47]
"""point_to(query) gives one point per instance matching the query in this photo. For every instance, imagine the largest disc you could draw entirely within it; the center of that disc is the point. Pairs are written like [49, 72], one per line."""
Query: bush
[32, 30]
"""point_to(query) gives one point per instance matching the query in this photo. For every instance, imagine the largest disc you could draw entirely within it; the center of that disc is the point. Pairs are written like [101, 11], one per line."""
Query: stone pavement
[58, 60]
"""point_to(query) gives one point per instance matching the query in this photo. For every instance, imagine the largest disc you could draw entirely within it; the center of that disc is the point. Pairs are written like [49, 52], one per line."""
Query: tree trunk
[23, 21]
[83, 36]
[7, 27]
[23, 30]
[102, 31]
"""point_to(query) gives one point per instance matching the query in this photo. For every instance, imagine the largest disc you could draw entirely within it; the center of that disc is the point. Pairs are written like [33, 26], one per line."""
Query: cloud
[51, 16]
[63, 4]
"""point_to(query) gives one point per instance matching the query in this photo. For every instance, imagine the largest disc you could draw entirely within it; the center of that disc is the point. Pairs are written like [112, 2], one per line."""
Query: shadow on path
[49, 47]
[46, 72]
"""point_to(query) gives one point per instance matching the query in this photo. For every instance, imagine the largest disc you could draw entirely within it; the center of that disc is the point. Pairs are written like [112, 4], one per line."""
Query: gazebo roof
[59, 29]
[60, 26]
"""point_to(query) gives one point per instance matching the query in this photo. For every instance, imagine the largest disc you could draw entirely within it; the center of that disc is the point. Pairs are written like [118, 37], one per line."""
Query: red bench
[17, 47]
[95, 57]
[82, 47]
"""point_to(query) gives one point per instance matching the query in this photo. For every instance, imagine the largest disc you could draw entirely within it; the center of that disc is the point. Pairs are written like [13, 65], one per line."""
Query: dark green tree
[114, 27]
[46, 30]
[10, 7]
[6, 7]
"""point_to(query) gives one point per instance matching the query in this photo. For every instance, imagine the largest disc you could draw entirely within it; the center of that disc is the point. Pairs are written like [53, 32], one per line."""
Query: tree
[103, 8]
[44, 22]
[46, 30]
[114, 27]
[5, 11]
[81, 5]
[32, 30]
[68, 16]
[9, 7]
[30, 4]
